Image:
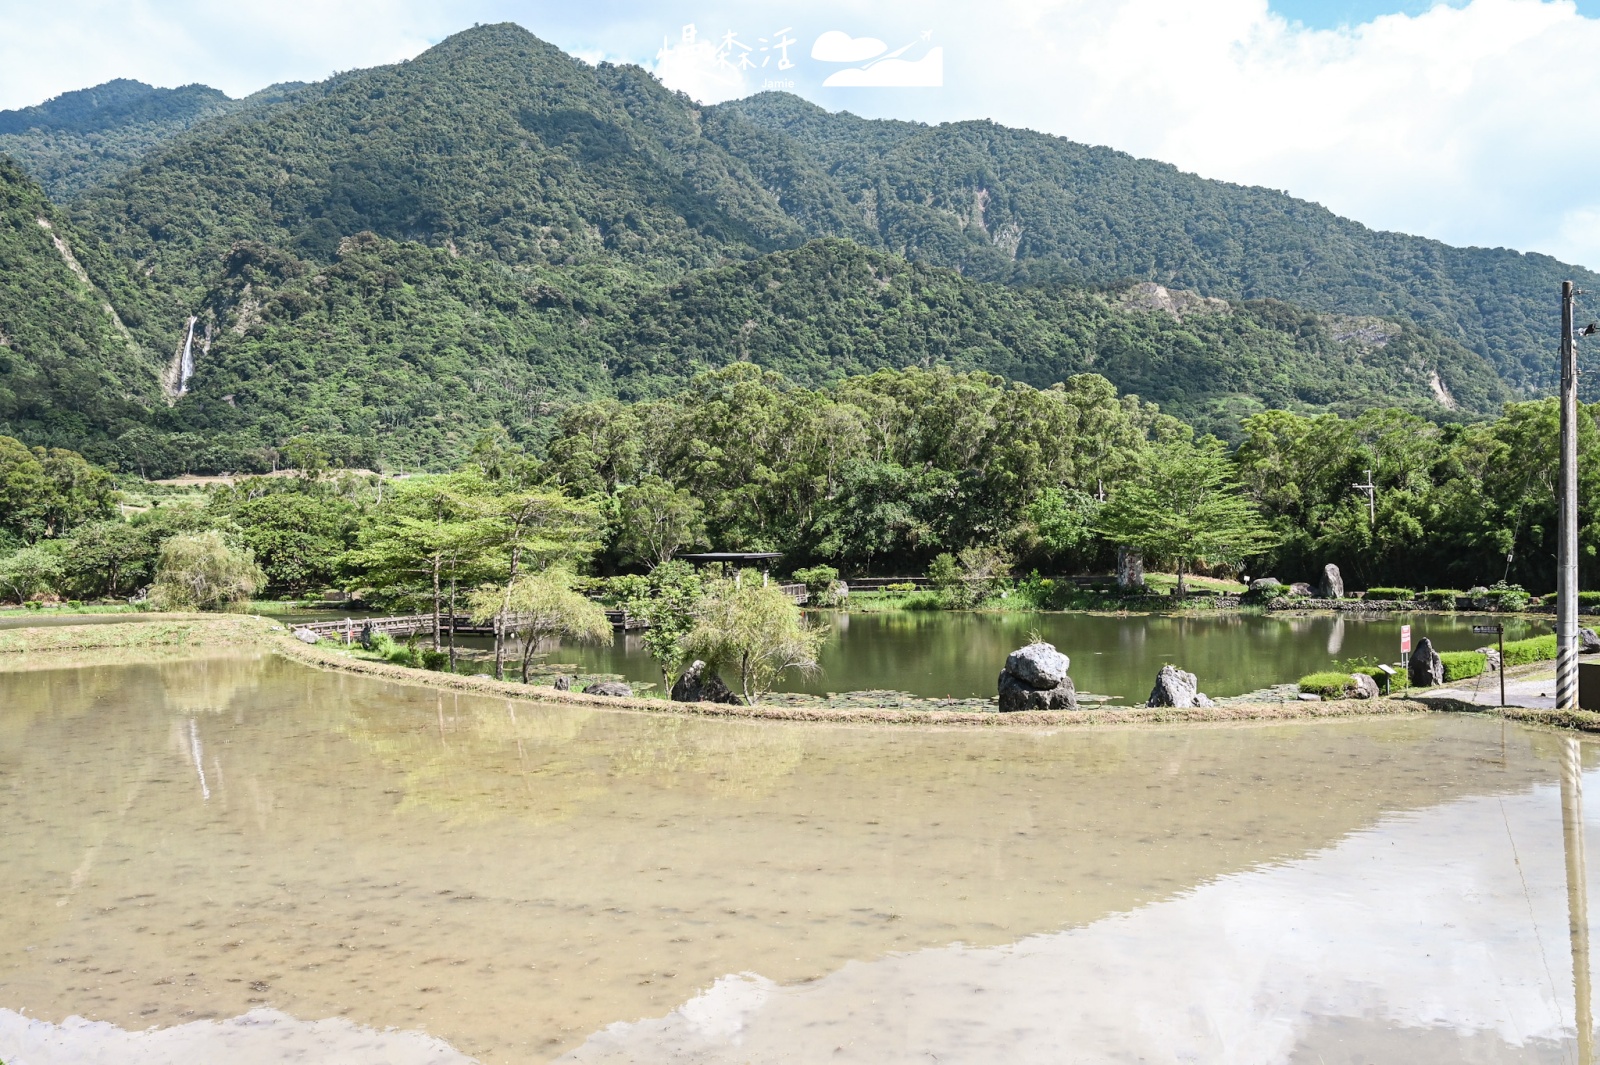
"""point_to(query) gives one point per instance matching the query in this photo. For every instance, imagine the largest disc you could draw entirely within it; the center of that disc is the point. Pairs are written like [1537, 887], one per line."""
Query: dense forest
[887, 473]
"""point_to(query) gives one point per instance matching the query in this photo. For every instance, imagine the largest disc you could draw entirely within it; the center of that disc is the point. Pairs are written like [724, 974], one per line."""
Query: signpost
[1405, 645]
[1500, 632]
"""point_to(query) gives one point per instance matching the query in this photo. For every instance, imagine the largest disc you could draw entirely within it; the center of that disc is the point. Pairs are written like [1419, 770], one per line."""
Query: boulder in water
[1038, 665]
[1178, 689]
[1016, 696]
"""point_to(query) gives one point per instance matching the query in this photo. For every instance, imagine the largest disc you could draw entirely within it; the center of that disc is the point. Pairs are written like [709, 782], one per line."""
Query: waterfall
[186, 367]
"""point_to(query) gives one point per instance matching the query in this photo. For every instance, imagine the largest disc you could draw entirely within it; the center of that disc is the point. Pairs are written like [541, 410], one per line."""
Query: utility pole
[1372, 499]
[1567, 526]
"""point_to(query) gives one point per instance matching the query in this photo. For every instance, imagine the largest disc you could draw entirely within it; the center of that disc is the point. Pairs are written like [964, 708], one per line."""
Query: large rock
[1426, 668]
[1016, 696]
[1491, 658]
[1265, 584]
[561, 683]
[613, 688]
[1176, 688]
[1302, 588]
[1588, 642]
[1363, 687]
[306, 636]
[694, 685]
[1130, 569]
[1039, 666]
[1332, 586]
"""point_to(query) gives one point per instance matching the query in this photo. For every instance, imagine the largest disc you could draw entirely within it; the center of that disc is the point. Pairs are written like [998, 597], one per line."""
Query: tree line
[893, 473]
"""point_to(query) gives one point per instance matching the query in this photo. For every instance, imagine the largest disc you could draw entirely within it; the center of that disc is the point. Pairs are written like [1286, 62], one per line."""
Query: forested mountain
[82, 139]
[1001, 203]
[397, 259]
[72, 370]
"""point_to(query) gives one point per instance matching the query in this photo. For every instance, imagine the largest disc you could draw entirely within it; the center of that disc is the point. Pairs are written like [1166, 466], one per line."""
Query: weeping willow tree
[541, 606]
[203, 571]
[754, 632]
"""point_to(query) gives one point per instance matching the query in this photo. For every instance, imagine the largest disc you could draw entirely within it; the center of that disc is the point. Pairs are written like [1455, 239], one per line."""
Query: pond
[251, 861]
[959, 654]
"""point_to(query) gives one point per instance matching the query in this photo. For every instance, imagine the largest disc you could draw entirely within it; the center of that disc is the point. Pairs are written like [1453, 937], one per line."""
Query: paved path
[1537, 691]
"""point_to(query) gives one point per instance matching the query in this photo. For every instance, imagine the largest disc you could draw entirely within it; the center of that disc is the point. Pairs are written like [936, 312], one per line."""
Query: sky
[1467, 120]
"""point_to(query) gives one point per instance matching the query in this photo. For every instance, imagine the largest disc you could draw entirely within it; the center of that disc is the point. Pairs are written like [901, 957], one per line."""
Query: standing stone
[1426, 668]
[1332, 583]
[1130, 569]
[1178, 689]
[1363, 687]
[562, 683]
[694, 685]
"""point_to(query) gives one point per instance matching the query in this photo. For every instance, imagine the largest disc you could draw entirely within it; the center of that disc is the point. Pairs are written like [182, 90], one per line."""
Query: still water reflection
[265, 862]
[958, 655]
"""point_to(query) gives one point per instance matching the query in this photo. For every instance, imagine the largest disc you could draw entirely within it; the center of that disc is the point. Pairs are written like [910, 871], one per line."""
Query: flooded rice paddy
[246, 860]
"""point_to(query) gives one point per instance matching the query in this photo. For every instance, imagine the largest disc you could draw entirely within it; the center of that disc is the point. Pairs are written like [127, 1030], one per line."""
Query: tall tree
[1186, 506]
[541, 606]
[656, 521]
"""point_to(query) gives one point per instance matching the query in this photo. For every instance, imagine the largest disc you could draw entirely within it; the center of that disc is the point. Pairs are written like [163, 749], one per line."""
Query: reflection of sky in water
[1422, 939]
[1435, 936]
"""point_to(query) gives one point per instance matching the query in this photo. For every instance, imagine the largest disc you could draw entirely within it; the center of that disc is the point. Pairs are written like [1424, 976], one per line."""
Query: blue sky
[1442, 120]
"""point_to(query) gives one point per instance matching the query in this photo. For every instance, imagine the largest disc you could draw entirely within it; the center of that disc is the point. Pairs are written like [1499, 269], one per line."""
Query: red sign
[1405, 639]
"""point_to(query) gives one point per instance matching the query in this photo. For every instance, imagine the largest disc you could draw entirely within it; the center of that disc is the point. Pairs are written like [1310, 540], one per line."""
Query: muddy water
[264, 862]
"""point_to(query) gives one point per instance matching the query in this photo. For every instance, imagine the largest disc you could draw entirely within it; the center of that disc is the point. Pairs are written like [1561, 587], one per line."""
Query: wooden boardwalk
[349, 630]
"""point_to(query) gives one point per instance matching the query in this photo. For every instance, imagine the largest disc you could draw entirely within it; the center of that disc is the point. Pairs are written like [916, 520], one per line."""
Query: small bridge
[349, 630]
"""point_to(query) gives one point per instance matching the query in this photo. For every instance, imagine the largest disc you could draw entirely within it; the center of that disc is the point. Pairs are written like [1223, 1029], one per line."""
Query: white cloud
[836, 46]
[924, 73]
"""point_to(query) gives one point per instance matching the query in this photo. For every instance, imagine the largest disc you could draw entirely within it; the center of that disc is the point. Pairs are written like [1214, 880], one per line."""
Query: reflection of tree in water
[476, 759]
[209, 685]
[725, 758]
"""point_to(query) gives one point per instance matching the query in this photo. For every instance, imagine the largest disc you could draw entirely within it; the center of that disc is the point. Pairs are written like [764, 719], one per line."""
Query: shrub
[435, 660]
[1533, 649]
[1329, 685]
[924, 601]
[1503, 596]
[382, 644]
[1589, 598]
[1442, 595]
[900, 586]
[819, 582]
[1462, 665]
[1391, 593]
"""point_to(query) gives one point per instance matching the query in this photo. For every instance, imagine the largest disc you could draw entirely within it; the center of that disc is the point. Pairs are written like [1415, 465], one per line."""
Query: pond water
[959, 655]
[245, 860]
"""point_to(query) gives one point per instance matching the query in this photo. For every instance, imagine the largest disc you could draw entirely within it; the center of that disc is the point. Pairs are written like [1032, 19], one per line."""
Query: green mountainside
[998, 203]
[80, 140]
[72, 367]
[398, 259]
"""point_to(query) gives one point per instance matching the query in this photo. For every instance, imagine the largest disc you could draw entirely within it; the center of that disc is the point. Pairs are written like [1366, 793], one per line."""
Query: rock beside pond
[613, 688]
[1426, 668]
[1016, 696]
[1332, 583]
[1265, 584]
[1588, 642]
[1177, 689]
[1039, 666]
[1302, 588]
[1363, 687]
[306, 636]
[561, 683]
[1491, 658]
[695, 686]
